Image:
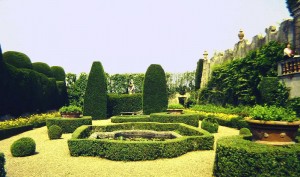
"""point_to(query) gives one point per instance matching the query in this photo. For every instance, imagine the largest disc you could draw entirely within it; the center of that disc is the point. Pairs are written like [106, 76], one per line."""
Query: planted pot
[175, 111]
[70, 115]
[71, 111]
[273, 132]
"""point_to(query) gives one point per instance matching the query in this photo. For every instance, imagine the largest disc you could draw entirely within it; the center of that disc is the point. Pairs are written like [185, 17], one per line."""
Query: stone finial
[241, 35]
[272, 29]
[205, 54]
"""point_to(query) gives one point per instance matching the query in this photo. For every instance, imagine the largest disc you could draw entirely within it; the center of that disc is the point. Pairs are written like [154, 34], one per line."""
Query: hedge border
[238, 156]
[188, 118]
[2, 163]
[9, 132]
[69, 125]
[192, 139]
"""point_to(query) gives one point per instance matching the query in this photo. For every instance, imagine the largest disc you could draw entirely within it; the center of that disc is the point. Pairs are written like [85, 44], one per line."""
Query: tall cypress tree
[95, 99]
[198, 74]
[155, 97]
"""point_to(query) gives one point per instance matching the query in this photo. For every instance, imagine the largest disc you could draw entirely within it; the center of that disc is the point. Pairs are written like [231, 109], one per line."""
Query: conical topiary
[198, 74]
[95, 99]
[155, 97]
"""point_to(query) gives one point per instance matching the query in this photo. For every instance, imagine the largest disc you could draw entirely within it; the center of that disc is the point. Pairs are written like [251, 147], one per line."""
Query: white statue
[131, 88]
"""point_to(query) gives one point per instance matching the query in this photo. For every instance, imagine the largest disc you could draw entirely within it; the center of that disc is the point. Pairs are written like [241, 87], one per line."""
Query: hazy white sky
[129, 35]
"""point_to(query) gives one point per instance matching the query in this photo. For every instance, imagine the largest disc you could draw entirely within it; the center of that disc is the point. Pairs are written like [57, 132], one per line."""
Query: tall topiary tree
[198, 74]
[155, 97]
[43, 68]
[58, 73]
[95, 99]
[17, 59]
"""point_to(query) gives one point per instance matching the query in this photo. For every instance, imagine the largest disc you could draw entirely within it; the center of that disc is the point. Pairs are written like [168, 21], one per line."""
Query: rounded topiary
[23, 147]
[210, 124]
[198, 74]
[245, 131]
[155, 96]
[43, 68]
[58, 73]
[95, 99]
[2, 163]
[17, 59]
[54, 132]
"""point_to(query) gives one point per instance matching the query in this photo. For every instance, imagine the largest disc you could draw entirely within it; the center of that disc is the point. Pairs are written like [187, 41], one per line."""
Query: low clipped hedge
[238, 156]
[192, 139]
[68, 125]
[23, 147]
[118, 103]
[189, 119]
[210, 124]
[8, 132]
[2, 163]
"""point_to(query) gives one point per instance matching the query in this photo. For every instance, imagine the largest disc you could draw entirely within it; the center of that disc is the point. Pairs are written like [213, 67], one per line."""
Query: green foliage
[68, 125]
[210, 124]
[17, 59]
[272, 91]
[193, 139]
[2, 163]
[155, 98]
[273, 113]
[58, 73]
[43, 68]
[54, 132]
[240, 110]
[294, 104]
[23, 147]
[118, 83]
[11, 131]
[70, 109]
[236, 82]
[95, 99]
[123, 103]
[198, 74]
[237, 156]
[62, 93]
[245, 132]
[130, 118]
[175, 106]
[184, 82]
[77, 88]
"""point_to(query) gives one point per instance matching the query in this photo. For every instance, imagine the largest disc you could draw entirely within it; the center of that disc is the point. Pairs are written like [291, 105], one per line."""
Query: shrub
[245, 131]
[192, 139]
[175, 106]
[238, 156]
[2, 163]
[11, 131]
[130, 118]
[294, 104]
[155, 97]
[95, 99]
[77, 88]
[54, 132]
[70, 109]
[23, 147]
[189, 119]
[123, 103]
[210, 124]
[42, 68]
[243, 111]
[17, 59]
[62, 93]
[198, 74]
[68, 125]
[58, 73]
[273, 113]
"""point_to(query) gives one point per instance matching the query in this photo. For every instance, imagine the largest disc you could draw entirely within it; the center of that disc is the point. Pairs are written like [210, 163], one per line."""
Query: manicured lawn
[53, 159]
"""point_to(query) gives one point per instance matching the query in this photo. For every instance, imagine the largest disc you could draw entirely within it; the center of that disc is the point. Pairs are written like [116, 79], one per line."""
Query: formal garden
[242, 122]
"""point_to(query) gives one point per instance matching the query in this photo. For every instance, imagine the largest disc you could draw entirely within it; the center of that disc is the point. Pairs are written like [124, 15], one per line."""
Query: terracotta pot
[273, 132]
[70, 115]
[175, 111]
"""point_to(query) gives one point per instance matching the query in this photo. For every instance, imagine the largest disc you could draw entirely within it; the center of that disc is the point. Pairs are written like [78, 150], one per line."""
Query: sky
[126, 36]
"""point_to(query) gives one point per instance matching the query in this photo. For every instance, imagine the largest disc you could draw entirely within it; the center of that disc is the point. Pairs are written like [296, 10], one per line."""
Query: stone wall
[284, 34]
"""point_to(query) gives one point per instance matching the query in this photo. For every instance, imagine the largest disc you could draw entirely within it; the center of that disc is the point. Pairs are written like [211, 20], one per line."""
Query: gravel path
[53, 159]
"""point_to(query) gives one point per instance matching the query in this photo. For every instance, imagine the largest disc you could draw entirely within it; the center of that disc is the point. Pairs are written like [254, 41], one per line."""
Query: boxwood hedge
[238, 156]
[8, 132]
[2, 163]
[68, 125]
[58, 73]
[192, 139]
[189, 119]
[43, 68]
[17, 59]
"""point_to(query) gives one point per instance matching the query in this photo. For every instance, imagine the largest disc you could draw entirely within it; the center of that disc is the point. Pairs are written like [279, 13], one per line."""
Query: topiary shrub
[123, 103]
[23, 147]
[245, 131]
[68, 125]
[2, 163]
[155, 96]
[210, 124]
[43, 68]
[95, 99]
[17, 59]
[54, 132]
[58, 73]
[198, 74]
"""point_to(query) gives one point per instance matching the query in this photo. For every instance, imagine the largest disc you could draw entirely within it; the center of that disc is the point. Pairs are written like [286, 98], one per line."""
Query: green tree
[58, 73]
[155, 97]
[198, 74]
[76, 90]
[95, 99]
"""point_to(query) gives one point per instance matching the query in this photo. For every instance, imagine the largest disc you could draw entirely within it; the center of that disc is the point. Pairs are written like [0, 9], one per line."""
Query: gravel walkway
[53, 159]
